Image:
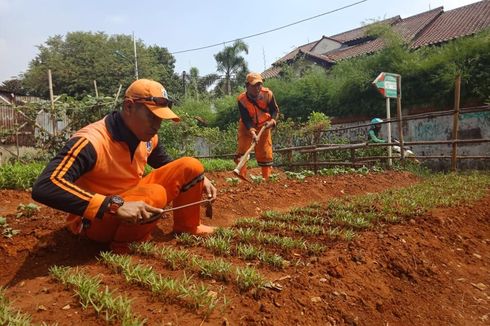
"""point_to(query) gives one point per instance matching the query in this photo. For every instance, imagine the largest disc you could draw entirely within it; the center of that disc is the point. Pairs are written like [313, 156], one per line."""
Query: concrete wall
[471, 126]
[10, 151]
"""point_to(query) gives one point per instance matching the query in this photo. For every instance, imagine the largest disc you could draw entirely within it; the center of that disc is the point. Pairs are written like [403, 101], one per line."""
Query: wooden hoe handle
[244, 158]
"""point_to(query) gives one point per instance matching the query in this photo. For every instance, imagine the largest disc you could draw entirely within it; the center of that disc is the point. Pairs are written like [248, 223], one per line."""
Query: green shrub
[19, 176]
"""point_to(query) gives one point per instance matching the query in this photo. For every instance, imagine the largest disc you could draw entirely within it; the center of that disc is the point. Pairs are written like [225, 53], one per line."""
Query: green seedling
[105, 302]
[307, 173]
[217, 269]
[193, 296]
[248, 278]
[218, 245]
[8, 232]
[247, 251]
[9, 316]
[225, 233]
[233, 181]
[187, 239]
[274, 177]
[257, 179]
[273, 260]
[27, 210]
[348, 235]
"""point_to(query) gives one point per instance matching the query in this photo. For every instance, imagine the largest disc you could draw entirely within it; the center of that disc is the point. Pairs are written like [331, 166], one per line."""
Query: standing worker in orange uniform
[258, 109]
[98, 175]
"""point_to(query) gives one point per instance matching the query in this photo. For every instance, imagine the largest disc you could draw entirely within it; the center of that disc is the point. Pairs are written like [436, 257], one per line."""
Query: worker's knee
[153, 194]
[191, 165]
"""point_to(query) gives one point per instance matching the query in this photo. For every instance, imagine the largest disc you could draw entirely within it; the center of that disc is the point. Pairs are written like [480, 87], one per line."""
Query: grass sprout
[104, 302]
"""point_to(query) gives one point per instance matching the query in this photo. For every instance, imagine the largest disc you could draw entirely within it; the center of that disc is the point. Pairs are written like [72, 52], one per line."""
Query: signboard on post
[386, 83]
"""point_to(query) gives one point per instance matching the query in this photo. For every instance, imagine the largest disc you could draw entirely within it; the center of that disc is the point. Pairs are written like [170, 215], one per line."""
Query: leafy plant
[257, 179]
[233, 181]
[27, 210]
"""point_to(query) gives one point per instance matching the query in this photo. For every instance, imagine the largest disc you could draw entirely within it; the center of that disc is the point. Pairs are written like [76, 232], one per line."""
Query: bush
[19, 176]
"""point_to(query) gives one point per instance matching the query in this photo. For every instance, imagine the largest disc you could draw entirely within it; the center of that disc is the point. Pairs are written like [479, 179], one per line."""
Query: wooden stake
[117, 96]
[96, 91]
[51, 97]
[457, 96]
[399, 113]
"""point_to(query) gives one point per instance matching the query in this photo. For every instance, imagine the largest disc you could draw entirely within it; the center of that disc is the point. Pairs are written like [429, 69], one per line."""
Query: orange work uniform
[254, 113]
[104, 159]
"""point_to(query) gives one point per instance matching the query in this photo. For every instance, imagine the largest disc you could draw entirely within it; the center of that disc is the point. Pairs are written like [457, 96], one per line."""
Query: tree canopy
[231, 63]
[79, 58]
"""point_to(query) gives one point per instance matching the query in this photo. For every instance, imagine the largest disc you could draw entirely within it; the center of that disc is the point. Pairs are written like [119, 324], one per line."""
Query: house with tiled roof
[428, 28]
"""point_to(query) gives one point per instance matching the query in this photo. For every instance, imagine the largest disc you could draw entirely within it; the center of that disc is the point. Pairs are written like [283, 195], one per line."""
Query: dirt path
[432, 271]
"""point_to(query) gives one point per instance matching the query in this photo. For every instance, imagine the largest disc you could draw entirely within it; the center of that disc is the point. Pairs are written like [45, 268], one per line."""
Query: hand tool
[156, 216]
[245, 157]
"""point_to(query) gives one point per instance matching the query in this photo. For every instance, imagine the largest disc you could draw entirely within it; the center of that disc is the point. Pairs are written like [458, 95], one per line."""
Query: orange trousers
[263, 149]
[180, 182]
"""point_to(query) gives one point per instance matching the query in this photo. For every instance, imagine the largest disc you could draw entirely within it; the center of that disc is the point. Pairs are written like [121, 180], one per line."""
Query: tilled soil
[432, 270]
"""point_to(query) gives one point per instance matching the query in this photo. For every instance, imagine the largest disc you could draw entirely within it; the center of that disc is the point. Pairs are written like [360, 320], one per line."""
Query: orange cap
[143, 88]
[254, 78]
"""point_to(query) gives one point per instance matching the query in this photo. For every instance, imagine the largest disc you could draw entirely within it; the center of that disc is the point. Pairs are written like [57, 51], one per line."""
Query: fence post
[399, 113]
[51, 97]
[353, 156]
[16, 126]
[289, 157]
[457, 93]
[315, 161]
[96, 90]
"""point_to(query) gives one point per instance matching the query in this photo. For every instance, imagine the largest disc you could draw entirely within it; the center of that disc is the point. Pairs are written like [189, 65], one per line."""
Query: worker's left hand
[209, 189]
[270, 124]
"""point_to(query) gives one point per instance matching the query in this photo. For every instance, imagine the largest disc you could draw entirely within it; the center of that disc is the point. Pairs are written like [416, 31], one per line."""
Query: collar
[120, 132]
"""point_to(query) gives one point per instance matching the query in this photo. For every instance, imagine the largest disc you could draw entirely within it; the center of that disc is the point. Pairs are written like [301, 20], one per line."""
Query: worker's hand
[209, 189]
[255, 138]
[136, 211]
[270, 124]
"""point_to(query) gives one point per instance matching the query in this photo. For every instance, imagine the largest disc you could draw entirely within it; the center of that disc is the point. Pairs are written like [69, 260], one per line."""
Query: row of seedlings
[196, 297]
[245, 278]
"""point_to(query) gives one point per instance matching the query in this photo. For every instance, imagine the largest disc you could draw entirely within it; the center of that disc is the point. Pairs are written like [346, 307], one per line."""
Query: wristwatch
[114, 203]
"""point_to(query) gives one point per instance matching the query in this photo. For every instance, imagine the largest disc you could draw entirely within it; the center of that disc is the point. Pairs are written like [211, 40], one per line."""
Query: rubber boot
[266, 172]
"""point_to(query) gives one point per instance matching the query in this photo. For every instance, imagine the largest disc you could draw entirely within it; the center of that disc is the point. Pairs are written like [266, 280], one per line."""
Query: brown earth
[433, 270]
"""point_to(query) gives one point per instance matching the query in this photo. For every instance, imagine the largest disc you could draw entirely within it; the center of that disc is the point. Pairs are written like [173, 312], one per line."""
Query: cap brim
[163, 112]
[255, 81]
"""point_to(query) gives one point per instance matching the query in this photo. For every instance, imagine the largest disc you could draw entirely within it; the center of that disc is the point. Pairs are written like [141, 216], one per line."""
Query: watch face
[117, 200]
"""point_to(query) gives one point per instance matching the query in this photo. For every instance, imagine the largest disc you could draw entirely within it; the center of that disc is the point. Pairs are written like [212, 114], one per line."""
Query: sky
[184, 24]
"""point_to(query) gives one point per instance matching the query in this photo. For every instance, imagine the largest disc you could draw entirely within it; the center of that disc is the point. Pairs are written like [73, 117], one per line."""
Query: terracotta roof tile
[292, 54]
[360, 32]
[318, 56]
[271, 72]
[410, 27]
[356, 50]
[456, 23]
[429, 27]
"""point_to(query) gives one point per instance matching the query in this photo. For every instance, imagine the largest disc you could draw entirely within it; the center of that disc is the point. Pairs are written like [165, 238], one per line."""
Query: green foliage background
[307, 97]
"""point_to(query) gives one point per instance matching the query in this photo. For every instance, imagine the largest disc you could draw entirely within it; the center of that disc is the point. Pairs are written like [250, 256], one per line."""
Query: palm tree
[196, 85]
[231, 63]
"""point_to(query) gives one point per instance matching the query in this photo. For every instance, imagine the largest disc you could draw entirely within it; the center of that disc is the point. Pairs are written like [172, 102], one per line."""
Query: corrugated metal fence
[16, 128]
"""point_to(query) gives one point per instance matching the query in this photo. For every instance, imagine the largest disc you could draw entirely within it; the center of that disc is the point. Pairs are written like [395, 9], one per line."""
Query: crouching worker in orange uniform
[98, 176]
[258, 109]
